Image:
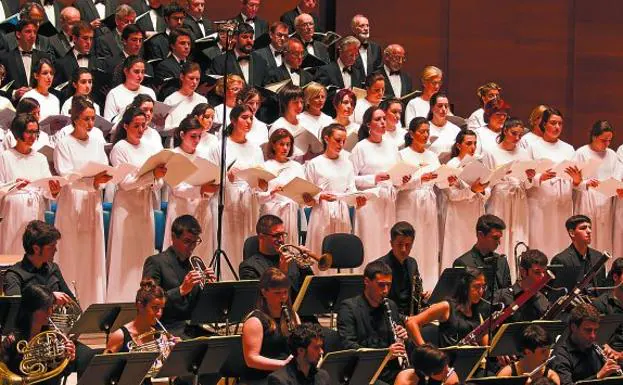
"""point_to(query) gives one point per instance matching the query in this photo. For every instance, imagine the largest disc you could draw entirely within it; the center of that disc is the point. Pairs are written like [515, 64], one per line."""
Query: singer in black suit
[368, 49]
[110, 42]
[291, 67]
[273, 53]
[242, 56]
[489, 230]
[305, 28]
[146, 23]
[393, 59]
[248, 15]
[82, 35]
[304, 6]
[61, 42]
[157, 46]
[172, 271]
[195, 19]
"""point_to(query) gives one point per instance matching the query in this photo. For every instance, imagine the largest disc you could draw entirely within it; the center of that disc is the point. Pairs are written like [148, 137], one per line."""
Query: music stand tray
[506, 340]
[324, 294]
[103, 317]
[604, 381]
[228, 302]
[118, 368]
[465, 359]
[446, 285]
[185, 358]
[513, 380]
[608, 324]
[219, 349]
[354, 366]
[9, 307]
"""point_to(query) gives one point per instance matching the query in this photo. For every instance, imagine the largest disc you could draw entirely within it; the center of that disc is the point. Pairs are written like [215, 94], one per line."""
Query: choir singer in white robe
[185, 98]
[372, 157]
[417, 201]
[442, 132]
[22, 164]
[550, 199]
[81, 254]
[131, 236]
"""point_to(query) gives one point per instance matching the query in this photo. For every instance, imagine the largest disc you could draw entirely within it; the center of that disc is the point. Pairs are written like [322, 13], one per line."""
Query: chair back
[251, 246]
[346, 249]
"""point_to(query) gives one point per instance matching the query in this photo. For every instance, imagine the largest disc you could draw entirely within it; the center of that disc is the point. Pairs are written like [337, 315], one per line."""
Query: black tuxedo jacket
[193, 26]
[146, 24]
[140, 6]
[375, 57]
[258, 69]
[9, 43]
[66, 66]
[282, 73]
[261, 26]
[168, 272]
[405, 79]
[157, 46]
[166, 69]
[320, 50]
[88, 12]
[14, 65]
[60, 45]
[106, 45]
[267, 54]
[288, 19]
[330, 74]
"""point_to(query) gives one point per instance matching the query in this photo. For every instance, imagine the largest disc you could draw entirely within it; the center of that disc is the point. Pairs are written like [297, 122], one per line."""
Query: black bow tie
[182, 62]
[295, 71]
[83, 56]
[308, 43]
[250, 20]
[243, 58]
[392, 73]
[26, 53]
[278, 53]
[99, 2]
[348, 70]
[48, 2]
[365, 45]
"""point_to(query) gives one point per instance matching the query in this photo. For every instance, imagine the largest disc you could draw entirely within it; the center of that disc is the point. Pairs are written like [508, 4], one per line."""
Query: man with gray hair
[370, 53]
[293, 53]
[398, 82]
[111, 42]
[305, 28]
[61, 42]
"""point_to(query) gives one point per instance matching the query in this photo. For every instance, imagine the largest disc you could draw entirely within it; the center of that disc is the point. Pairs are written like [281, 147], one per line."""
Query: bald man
[370, 53]
[398, 82]
[61, 42]
[305, 27]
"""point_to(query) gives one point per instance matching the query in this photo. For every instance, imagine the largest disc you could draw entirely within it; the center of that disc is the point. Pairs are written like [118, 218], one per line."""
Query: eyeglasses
[277, 235]
[479, 287]
[189, 242]
[398, 59]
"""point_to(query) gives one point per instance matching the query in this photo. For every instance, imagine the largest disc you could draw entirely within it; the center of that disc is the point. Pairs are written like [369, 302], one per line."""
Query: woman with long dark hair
[241, 204]
[442, 131]
[43, 76]
[458, 315]
[131, 236]
[185, 98]
[265, 330]
[344, 102]
[393, 125]
[251, 97]
[496, 113]
[204, 113]
[82, 84]
[121, 96]
[375, 90]
[29, 106]
[151, 136]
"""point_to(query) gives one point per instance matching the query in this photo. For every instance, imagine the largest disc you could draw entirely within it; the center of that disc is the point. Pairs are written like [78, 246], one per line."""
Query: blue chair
[106, 216]
[53, 207]
[107, 206]
[159, 222]
[49, 217]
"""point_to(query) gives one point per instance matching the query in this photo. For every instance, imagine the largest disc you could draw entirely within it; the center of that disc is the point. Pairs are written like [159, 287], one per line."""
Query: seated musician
[171, 270]
[33, 318]
[430, 366]
[404, 268]
[362, 321]
[271, 234]
[265, 331]
[37, 266]
[489, 230]
[579, 255]
[532, 267]
[457, 316]
[534, 345]
[577, 357]
[611, 302]
[306, 345]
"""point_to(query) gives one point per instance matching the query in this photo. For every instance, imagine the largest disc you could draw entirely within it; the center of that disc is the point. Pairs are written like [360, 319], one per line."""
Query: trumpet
[160, 341]
[305, 259]
[200, 267]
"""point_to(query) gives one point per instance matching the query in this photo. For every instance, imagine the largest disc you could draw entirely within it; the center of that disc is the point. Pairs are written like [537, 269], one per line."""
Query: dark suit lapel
[340, 78]
[91, 8]
[403, 84]
[5, 7]
[19, 65]
[251, 70]
[370, 59]
[160, 24]
[172, 258]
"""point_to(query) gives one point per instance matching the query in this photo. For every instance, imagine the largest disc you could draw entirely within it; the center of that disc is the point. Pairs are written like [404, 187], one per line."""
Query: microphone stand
[219, 253]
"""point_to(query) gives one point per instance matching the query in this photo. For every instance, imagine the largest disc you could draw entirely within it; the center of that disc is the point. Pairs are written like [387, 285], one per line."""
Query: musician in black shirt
[576, 357]
[430, 366]
[37, 266]
[611, 302]
[362, 321]
[532, 267]
[306, 344]
[404, 268]
[579, 255]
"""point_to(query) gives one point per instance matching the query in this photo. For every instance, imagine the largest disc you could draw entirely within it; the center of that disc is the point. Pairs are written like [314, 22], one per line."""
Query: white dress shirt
[278, 59]
[296, 78]
[244, 66]
[395, 82]
[345, 75]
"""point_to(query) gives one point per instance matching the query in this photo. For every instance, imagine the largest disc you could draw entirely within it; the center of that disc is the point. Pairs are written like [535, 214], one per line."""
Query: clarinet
[604, 358]
[402, 361]
[288, 318]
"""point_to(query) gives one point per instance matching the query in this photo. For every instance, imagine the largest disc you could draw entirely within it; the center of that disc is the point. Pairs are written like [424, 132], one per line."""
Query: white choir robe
[279, 205]
[509, 201]
[486, 139]
[241, 210]
[334, 176]
[442, 139]
[360, 109]
[550, 203]
[528, 138]
[81, 254]
[417, 204]
[376, 218]
[131, 235]
[258, 133]
[187, 199]
[476, 119]
[313, 123]
[598, 207]
[304, 141]
[24, 205]
[397, 136]
[462, 208]
[182, 106]
[617, 234]
[417, 107]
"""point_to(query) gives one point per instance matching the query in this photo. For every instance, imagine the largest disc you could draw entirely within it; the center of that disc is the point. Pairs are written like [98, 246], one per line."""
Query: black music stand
[465, 359]
[324, 294]
[513, 380]
[604, 381]
[447, 284]
[608, 324]
[9, 307]
[118, 368]
[225, 302]
[567, 277]
[506, 340]
[354, 366]
[104, 317]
